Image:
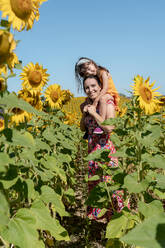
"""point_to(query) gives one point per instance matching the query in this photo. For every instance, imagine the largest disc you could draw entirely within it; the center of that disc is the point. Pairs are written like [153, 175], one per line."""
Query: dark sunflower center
[54, 96]
[21, 8]
[2, 84]
[146, 94]
[1, 123]
[4, 44]
[17, 111]
[35, 78]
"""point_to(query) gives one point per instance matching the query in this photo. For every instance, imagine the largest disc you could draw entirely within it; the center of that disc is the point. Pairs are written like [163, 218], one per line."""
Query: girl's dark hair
[80, 70]
[92, 76]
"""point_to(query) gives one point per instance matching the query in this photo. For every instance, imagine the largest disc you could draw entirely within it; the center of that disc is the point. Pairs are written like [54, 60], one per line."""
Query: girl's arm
[110, 113]
[104, 88]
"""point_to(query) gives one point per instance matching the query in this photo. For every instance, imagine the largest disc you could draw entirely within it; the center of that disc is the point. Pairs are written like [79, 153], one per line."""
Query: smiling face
[91, 69]
[92, 88]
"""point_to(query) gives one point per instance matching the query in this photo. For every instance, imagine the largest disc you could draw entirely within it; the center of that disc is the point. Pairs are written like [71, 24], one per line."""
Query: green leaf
[63, 158]
[94, 178]
[116, 227]
[110, 121]
[51, 163]
[69, 192]
[115, 139]
[120, 153]
[23, 139]
[155, 161]
[18, 66]
[98, 155]
[12, 101]
[132, 184]
[4, 211]
[9, 183]
[45, 222]
[148, 234]
[28, 154]
[40, 145]
[32, 194]
[160, 181]
[160, 194]
[21, 230]
[155, 131]
[49, 195]
[46, 175]
[4, 23]
[4, 160]
[49, 135]
[150, 209]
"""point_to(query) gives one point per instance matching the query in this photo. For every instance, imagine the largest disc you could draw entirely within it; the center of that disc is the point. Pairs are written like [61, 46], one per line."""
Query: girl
[85, 67]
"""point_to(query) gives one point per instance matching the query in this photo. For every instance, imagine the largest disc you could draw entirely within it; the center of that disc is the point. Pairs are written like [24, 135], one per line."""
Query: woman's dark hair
[80, 70]
[92, 76]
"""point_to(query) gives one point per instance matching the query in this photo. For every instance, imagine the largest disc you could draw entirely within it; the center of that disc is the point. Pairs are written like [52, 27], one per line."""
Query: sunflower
[2, 84]
[122, 111]
[71, 118]
[20, 116]
[2, 125]
[34, 77]
[66, 96]
[21, 13]
[53, 95]
[146, 95]
[7, 46]
[162, 101]
[31, 98]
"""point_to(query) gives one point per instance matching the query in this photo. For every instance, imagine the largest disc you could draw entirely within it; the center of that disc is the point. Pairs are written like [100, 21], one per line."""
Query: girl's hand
[85, 109]
[91, 109]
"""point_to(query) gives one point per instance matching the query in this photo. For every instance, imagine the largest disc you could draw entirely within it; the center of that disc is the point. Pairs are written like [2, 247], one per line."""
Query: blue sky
[126, 36]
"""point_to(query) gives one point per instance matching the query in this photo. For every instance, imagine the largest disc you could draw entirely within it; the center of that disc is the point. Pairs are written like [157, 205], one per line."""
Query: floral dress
[95, 142]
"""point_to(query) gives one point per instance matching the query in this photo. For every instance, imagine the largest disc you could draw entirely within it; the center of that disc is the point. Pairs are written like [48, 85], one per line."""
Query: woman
[90, 120]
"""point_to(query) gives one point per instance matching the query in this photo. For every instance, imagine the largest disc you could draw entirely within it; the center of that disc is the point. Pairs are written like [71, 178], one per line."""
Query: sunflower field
[44, 161]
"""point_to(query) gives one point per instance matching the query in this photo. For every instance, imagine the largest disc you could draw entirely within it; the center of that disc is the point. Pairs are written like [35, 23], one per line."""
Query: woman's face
[92, 88]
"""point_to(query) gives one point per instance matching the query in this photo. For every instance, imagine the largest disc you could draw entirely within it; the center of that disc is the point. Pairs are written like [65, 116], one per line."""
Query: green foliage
[36, 176]
[139, 140]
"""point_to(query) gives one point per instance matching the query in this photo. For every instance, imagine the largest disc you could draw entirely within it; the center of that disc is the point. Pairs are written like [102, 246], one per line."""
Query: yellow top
[112, 90]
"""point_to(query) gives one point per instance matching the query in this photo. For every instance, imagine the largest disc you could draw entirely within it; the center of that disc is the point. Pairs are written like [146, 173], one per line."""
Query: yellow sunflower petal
[34, 77]
[146, 95]
[53, 96]
[21, 13]
[20, 116]
[2, 124]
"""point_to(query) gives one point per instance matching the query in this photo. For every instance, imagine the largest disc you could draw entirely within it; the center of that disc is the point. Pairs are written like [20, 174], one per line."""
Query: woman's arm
[110, 113]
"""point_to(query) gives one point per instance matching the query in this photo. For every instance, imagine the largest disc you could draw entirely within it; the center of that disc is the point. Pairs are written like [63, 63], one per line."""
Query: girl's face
[92, 88]
[91, 69]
